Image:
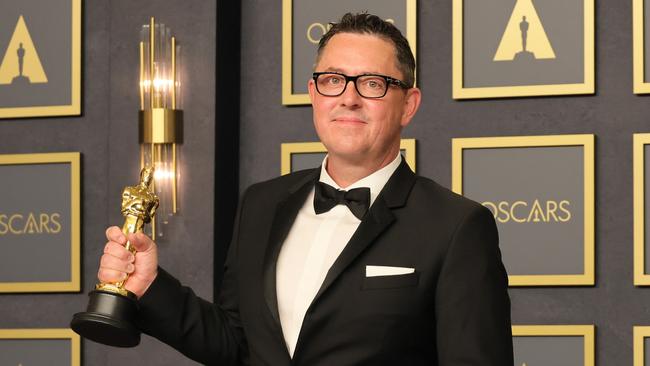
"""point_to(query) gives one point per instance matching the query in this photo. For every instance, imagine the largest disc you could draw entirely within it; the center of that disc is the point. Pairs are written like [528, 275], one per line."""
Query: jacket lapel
[285, 214]
[378, 219]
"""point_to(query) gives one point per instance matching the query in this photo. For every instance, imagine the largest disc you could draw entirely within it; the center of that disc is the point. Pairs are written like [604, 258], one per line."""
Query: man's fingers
[141, 242]
[119, 251]
[116, 264]
[110, 276]
[114, 233]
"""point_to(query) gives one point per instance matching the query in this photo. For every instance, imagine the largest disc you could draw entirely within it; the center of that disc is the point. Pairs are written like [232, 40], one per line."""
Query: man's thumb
[141, 242]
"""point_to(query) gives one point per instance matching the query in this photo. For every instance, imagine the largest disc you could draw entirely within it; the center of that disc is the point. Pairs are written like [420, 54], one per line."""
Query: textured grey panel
[484, 25]
[50, 28]
[35, 203]
[613, 114]
[542, 351]
[35, 352]
[547, 238]
[306, 161]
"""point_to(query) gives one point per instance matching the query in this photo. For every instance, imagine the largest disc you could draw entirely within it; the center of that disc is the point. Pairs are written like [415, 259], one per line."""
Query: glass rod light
[161, 117]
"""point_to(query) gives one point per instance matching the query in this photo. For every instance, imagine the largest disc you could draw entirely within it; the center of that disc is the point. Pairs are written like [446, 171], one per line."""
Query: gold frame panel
[73, 109]
[640, 333]
[460, 92]
[640, 140]
[638, 49]
[588, 332]
[289, 148]
[74, 159]
[288, 97]
[48, 333]
[588, 278]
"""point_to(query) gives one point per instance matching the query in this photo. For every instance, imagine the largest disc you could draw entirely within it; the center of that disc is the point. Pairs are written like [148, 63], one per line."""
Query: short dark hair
[364, 23]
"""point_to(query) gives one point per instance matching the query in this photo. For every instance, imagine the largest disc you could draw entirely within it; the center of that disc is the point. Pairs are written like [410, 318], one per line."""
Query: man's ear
[411, 105]
[311, 87]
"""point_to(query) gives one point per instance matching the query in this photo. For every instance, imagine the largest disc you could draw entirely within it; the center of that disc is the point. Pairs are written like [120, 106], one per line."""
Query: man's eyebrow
[334, 69]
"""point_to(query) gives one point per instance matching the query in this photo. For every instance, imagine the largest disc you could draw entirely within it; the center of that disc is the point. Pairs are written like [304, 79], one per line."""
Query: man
[313, 277]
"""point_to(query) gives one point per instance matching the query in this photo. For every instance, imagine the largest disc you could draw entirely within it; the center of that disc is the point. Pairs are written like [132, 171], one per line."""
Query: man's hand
[116, 261]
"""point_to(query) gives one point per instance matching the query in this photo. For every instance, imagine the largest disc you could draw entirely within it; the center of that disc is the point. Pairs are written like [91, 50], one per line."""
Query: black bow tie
[326, 197]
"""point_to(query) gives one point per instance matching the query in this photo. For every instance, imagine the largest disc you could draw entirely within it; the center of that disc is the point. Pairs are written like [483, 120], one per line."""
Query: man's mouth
[348, 119]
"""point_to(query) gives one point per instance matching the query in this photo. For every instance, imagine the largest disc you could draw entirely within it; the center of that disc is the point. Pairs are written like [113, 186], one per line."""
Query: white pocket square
[374, 271]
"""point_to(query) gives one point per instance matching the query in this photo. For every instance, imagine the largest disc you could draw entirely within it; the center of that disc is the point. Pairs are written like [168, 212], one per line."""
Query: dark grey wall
[614, 305]
[106, 135]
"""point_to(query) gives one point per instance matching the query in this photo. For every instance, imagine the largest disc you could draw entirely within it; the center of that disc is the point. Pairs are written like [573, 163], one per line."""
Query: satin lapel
[378, 219]
[285, 214]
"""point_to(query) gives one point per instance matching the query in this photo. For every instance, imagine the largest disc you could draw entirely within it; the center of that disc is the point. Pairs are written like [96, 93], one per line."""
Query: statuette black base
[109, 319]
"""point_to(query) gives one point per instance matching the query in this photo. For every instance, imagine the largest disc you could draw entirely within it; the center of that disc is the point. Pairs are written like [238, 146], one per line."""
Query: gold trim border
[74, 159]
[588, 278]
[639, 141]
[640, 333]
[288, 97]
[460, 92]
[48, 333]
[74, 108]
[289, 148]
[638, 48]
[588, 332]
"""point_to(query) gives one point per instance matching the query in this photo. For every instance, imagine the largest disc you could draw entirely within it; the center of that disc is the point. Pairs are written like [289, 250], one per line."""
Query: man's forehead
[359, 50]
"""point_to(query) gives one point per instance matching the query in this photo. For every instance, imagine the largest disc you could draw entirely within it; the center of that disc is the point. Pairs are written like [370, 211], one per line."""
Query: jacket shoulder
[442, 199]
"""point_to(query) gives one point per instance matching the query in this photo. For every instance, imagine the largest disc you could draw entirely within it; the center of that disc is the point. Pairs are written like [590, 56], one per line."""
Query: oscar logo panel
[304, 22]
[540, 190]
[39, 221]
[506, 48]
[557, 345]
[40, 58]
[24, 347]
[297, 156]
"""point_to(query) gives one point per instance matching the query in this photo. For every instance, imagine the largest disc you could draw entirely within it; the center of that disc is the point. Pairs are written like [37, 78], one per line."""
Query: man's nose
[350, 95]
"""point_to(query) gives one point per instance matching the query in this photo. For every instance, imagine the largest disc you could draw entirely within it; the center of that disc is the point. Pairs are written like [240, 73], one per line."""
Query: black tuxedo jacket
[454, 310]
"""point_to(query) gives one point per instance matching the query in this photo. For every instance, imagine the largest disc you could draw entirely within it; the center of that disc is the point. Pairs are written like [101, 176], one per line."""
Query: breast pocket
[392, 281]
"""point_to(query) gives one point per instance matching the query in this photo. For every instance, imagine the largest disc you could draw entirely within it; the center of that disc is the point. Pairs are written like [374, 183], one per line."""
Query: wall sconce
[160, 117]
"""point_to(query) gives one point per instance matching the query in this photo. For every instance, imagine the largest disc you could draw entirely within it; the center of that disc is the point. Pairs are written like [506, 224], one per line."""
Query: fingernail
[130, 268]
[131, 258]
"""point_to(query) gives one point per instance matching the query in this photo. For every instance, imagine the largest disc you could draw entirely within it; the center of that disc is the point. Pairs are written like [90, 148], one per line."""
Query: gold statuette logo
[21, 64]
[524, 37]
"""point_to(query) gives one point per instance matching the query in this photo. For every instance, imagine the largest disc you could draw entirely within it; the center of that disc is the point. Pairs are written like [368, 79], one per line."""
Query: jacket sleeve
[209, 333]
[472, 303]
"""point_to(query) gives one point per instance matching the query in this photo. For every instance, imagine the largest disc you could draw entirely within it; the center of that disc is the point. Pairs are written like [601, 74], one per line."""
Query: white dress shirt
[311, 247]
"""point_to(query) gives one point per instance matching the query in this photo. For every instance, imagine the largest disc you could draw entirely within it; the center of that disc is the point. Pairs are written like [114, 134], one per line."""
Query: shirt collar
[375, 181]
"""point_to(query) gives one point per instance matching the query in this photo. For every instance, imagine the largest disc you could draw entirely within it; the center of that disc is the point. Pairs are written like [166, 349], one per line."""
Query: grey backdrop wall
[106, 135]
[614, 305]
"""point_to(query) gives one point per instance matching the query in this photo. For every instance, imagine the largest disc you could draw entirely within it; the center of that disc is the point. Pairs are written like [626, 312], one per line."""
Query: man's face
[355, 129]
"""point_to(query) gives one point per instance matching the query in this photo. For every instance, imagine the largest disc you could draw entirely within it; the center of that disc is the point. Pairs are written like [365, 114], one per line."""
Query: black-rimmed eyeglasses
[333, 84]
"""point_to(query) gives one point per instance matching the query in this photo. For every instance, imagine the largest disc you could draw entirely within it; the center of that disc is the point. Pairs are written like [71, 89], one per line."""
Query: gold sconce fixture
[161, 117]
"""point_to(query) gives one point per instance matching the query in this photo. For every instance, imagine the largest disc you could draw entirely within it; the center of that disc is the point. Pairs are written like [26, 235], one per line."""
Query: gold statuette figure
[110, 316]
[139, 206]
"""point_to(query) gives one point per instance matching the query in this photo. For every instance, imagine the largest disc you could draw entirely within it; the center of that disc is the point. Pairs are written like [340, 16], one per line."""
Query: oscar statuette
[111, 312]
